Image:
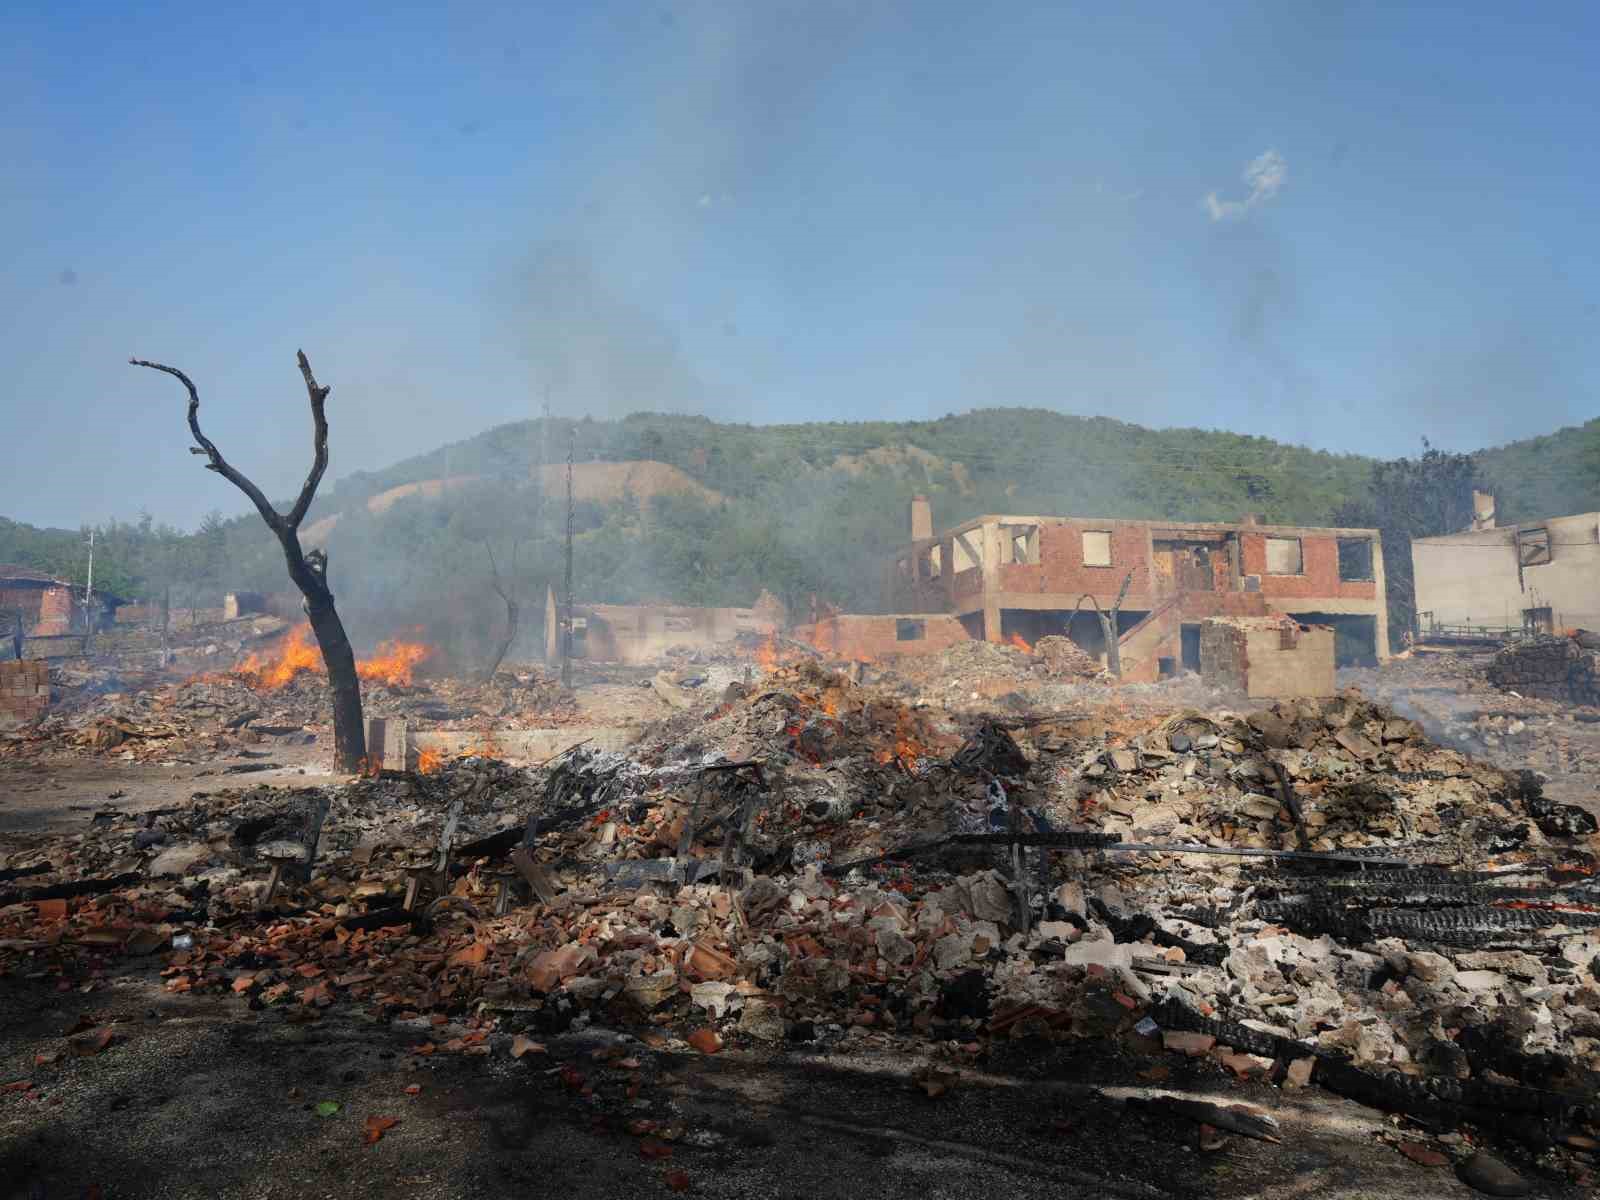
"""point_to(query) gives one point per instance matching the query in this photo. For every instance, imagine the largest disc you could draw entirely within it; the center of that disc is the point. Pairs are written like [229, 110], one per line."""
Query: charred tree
[506, 589]
[1108, 624]
[309, 571]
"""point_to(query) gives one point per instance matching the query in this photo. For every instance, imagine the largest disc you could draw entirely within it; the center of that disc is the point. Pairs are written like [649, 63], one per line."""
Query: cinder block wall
[24, 691]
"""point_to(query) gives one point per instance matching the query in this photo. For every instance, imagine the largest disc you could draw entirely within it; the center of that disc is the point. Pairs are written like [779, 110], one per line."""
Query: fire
[394, 662]
[906, 749]
[429, 761]
[295, 653]
[1020, 642]
[767, 655]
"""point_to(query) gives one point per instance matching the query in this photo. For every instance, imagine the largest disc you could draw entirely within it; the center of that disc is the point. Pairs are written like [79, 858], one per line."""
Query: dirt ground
[202, 1097]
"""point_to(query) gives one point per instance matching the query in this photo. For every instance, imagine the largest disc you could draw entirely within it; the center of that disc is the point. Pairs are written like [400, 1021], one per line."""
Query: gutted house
[48, 607]
[636, 633]
[1021, 577]
[1541, 576]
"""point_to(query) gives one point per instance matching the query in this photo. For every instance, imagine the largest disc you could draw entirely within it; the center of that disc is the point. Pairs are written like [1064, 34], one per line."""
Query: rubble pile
[150, 717]
[1553, 668]
[1310, 893]
[1450, 695]
[1062, 658]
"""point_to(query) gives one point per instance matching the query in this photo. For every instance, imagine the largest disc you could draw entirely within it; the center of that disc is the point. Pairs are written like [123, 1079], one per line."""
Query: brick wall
[1319, 569]
[24, 600]
[870, 637]
[55, 613]
[1061, 569]
[24, 691]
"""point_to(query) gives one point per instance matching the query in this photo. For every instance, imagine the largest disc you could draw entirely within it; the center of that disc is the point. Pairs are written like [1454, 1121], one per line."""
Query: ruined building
[1020, 577]
[636, 633]
[1539, 576]
[48, 607]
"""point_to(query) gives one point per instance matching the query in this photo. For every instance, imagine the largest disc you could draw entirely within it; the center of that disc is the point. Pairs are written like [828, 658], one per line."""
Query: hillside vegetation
[811, 509]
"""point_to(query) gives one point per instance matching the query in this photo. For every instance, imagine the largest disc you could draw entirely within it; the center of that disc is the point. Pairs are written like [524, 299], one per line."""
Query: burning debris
[394, 663]
[1311, 893]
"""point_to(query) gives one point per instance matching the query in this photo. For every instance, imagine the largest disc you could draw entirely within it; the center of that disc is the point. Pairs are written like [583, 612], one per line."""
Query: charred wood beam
[11, 873]
[69, 891]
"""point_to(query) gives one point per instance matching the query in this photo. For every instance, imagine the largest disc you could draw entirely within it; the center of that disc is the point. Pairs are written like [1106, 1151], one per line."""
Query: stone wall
[1552, 668]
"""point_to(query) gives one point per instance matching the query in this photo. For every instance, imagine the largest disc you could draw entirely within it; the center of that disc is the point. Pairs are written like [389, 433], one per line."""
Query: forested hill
[1019, 460]
[809, 508]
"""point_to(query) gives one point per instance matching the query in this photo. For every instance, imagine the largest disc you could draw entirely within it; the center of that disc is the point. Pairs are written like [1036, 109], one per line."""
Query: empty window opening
[964, 554]
[1355, 560]
[1096, 548]
[906, 630]
[1024, 540]
[1189, 647]
[1533, 547]
[1283, 556]
[1166, 667]
[935, 561]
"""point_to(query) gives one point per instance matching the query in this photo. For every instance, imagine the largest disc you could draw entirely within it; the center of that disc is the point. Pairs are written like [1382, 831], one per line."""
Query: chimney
[921, 518]
[1482, 509]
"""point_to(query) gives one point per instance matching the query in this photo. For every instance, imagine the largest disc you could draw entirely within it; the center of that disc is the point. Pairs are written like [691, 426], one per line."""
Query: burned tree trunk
[308, 571]
[513, 615]
[507, 591]
[1108, 624]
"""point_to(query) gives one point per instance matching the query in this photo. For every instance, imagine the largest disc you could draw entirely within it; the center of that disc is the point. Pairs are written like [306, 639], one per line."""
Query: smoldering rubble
[1314, 894]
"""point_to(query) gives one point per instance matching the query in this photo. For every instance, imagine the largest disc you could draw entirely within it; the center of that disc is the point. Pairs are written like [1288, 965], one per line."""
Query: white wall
[1471, 578]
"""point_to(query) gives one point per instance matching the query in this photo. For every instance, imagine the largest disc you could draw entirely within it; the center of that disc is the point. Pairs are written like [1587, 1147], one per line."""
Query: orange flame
[394, 662]
[295, 653]
[1021, 643]
[906, 749]
[429, 761]
[767, 653]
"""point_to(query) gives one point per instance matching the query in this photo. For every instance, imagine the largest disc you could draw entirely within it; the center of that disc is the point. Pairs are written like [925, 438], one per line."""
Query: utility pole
[88, 600]
[566, 634]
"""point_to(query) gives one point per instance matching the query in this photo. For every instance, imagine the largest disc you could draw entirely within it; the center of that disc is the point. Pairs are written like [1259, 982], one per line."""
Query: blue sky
[1349, 226]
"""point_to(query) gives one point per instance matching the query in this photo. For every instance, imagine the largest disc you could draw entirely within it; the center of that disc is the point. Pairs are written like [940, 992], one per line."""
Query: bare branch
[319, 420]
[1122, 592]
[220, 465]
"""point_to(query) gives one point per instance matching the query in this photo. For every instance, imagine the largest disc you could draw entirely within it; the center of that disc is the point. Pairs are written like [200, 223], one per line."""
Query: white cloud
[1265, 176]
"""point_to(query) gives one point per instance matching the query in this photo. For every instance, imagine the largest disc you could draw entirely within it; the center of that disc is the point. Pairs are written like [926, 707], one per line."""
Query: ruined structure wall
[871, 638]
[55, 613]
[1552, 668]
[24, 600]
[1472, 578]
[1224, 662]
[1319, 567]
[628, 634]
[24, 691]
[1061, 567]
[1248, 655]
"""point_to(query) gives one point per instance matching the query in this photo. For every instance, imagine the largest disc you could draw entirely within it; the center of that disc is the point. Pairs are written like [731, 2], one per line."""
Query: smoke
[598, 350]
[1264, 177]
[626, 265]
